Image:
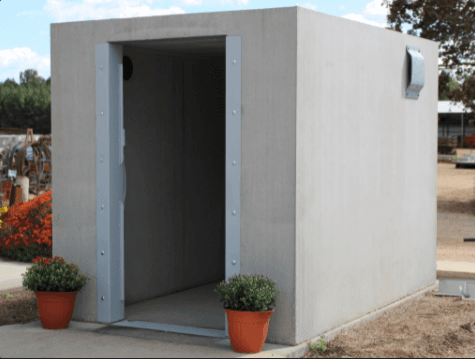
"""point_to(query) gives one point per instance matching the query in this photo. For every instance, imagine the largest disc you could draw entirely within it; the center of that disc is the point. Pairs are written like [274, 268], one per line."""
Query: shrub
[26, 230]
[53, 275]
[250, 293]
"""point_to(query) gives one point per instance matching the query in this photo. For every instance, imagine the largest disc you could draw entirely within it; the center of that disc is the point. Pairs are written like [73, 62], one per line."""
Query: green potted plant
[246, 301]
[56, 284]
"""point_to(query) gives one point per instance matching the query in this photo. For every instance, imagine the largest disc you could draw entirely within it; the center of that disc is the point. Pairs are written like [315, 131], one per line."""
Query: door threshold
[173, 328]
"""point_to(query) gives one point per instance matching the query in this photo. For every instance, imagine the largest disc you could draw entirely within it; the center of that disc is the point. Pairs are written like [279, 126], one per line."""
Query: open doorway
[179, 226]
[174, 230]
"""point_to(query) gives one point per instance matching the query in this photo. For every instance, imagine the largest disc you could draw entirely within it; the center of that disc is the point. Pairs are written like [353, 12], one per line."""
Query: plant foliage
[450, 22]
[28, 104]
[53, 275]
[27, 228]
[251, 293]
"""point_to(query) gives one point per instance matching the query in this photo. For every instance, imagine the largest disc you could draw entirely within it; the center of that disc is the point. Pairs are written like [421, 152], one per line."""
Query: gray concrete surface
[193, 307]
[10, 274]
[355, 225]
[365, 200]
[98, 340]
[85, 340]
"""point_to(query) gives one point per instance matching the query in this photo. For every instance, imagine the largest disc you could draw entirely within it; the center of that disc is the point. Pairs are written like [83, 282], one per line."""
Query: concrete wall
[366, 174]
[174, 119]
[268, 157]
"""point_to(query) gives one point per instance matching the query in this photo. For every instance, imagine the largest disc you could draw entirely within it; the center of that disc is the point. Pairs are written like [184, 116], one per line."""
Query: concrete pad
[455, 270]
[10, 274]
[83, 339]
[194, 306]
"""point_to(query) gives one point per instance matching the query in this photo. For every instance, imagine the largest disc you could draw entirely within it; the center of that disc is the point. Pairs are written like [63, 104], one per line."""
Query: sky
[25, 24]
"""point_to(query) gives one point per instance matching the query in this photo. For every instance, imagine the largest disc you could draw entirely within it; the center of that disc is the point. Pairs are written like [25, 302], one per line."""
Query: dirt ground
[21, 308]
[456, 188]
[431, 326]
[456, 211]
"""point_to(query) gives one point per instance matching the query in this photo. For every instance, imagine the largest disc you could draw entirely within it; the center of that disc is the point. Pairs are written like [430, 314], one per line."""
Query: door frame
[111, 180]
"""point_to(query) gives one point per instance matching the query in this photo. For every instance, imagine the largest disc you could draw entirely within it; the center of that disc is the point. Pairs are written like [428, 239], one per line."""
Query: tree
[446, 85]
[452, 23]
[11, 82]
[30, 75]
[27, 105]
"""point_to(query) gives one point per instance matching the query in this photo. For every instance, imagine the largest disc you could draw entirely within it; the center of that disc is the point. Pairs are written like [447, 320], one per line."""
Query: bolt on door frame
[110, 175]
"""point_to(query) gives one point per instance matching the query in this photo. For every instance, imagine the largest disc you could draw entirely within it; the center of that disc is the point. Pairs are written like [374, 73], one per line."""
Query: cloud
[375, 8]
[361, 18]
[193, 2]
[64, 11]
[342, 7]
[308, 6]
[13, 61]
[373, 14]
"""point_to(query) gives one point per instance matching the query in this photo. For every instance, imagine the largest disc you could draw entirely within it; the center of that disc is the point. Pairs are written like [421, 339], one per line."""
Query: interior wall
[174, 120]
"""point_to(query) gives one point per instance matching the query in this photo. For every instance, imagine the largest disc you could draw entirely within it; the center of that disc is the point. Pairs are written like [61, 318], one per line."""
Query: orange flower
[19, 219]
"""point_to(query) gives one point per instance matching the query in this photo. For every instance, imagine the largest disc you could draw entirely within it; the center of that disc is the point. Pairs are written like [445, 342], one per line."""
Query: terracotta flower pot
[248, 330]
[55, 308]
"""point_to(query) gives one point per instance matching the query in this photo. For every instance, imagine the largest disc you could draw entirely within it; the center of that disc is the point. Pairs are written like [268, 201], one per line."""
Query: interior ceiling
[209, 46]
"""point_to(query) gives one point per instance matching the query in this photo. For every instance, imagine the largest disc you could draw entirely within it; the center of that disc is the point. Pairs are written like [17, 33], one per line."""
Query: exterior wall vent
[416, 72]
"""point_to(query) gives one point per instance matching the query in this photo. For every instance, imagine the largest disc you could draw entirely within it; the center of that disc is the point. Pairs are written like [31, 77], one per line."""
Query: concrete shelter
[283, 142]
